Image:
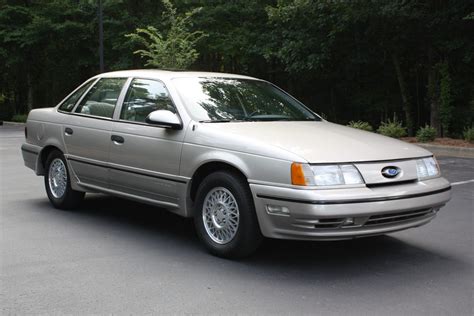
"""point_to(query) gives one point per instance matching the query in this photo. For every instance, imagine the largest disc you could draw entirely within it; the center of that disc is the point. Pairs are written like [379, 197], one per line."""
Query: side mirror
[165, 119]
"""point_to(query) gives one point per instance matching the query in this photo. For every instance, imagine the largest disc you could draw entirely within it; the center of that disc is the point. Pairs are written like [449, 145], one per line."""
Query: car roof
[168, 74]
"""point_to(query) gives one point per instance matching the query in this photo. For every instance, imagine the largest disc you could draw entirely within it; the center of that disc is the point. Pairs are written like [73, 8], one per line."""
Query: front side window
[70, 102]
[102, 98]
[143, 97]
[231, 99]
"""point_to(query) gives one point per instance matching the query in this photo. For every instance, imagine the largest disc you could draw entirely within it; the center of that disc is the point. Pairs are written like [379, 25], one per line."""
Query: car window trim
[118, 107]
[121, 99]
[93, 80]
[92, 116]
[119, 120]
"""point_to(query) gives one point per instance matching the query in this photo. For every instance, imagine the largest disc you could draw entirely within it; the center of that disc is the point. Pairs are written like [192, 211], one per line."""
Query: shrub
[365, 126]
[426, 134]
[469, 134]
[392, 129]
[21, 118]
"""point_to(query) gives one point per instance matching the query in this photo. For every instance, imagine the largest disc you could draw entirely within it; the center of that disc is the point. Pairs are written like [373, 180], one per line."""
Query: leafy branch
[173, 50]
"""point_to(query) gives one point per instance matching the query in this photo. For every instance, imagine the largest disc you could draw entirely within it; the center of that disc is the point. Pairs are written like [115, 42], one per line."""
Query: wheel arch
[43, 156]
[247, 235]
[206, 169]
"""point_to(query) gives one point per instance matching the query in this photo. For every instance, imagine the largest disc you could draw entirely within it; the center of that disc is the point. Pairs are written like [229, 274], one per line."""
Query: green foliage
[21, 118]
[338, 57]
[365, 126]
[426, 134]
[392, 128]
[174, 50]
[321, 40]
[470, 16]
[310, 32]
[446, 97]
[238, 37]
[469, 134]
[46, 51]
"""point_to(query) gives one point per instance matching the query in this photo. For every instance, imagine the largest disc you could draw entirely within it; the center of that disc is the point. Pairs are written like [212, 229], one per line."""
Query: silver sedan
[239, 155]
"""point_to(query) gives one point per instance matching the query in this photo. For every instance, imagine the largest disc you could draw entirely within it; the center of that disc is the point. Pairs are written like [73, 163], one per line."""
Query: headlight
[427, 168]
[324, 175]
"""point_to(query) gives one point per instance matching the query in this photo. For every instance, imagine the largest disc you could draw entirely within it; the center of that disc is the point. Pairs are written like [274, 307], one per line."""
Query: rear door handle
[68, 131]
[117, 139]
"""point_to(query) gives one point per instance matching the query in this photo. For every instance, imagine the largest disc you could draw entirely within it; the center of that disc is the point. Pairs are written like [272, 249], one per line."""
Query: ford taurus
[239, 155]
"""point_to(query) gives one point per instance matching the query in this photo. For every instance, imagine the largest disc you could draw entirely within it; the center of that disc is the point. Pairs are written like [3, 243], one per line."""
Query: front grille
[397, 217]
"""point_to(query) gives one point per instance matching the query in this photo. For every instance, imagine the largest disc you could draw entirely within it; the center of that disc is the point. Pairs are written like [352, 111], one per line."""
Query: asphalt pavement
[113, 256]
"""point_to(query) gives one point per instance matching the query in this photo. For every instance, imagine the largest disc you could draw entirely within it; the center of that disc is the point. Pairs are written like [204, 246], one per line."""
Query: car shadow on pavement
[168, 234]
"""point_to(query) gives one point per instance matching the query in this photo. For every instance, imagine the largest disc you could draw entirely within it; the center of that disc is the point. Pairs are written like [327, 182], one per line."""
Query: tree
[47, 52]
[376, 58]
[174, 50]
[350, 60]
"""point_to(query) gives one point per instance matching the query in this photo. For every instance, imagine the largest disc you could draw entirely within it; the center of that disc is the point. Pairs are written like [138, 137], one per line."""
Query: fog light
[349, 221]
[278, 210]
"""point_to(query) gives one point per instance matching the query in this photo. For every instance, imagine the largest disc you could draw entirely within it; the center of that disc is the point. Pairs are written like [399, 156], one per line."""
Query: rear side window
[102, 98]
[143, 97]
[70, 102]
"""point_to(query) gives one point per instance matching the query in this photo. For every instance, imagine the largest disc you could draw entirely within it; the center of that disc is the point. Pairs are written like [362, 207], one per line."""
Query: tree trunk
[29, 94]
[433, 95]
[404, 94]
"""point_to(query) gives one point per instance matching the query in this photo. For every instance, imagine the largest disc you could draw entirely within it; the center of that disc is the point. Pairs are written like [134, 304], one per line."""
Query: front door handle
[117, 139]
[68, 131]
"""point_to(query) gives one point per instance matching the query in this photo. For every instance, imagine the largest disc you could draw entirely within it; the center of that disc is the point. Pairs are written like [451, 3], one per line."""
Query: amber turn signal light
[297, 174]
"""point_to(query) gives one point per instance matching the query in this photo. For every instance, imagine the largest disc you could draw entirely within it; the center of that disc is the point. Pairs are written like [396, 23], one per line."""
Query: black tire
[70, 199]
[247, 237]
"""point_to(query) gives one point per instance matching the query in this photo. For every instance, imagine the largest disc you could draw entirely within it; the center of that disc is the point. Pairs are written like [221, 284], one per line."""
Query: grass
[20, 118]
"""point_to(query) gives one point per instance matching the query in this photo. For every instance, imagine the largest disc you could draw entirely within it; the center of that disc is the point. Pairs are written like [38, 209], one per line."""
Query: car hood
[322, 142]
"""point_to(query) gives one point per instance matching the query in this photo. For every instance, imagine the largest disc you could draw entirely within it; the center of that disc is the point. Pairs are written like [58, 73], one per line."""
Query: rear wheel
[57, 183]
[225, 216]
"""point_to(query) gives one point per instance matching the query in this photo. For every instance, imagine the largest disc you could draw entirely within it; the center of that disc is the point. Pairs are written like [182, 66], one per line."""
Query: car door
[88, 129]
[144, 158]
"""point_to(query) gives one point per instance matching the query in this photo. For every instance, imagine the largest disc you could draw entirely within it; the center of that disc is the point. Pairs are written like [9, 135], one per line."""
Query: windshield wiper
[217, 121]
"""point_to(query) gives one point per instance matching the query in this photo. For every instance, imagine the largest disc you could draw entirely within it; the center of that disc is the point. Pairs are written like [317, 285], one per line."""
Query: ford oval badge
[390, 172]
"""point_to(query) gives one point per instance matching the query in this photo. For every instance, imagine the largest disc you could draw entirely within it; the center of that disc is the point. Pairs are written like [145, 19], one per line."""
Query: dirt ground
[445, 141]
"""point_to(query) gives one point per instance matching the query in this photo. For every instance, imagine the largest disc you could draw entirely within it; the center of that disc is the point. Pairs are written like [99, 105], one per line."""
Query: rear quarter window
[70, 102]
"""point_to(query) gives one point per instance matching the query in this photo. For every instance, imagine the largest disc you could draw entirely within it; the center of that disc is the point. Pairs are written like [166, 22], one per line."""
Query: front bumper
[332, 214]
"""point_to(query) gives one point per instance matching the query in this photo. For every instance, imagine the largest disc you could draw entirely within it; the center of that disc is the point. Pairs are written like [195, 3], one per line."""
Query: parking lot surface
[121, 257]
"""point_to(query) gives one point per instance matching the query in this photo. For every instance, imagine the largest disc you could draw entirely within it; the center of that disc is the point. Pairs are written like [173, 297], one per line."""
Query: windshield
[229, 99]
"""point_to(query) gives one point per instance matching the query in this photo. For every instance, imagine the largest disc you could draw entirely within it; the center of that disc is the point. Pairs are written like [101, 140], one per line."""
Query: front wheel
[225, 216]
[58, 183]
